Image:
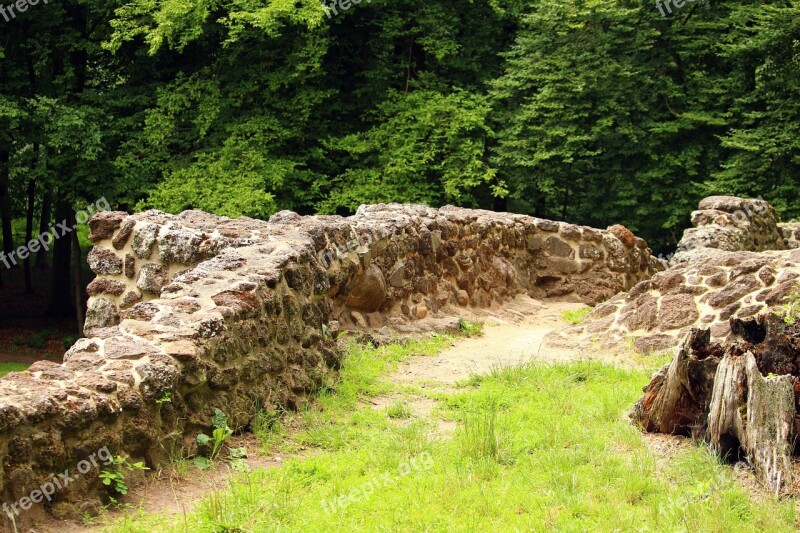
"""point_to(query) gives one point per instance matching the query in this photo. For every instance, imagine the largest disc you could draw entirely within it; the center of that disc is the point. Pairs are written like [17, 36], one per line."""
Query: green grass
[399, 409]
[470, 329]
[576, 316]
[5, 368]
[536, 448]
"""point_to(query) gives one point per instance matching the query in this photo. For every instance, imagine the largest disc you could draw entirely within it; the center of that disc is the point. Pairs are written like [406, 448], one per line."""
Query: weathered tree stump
[676, 401]
[719, 392]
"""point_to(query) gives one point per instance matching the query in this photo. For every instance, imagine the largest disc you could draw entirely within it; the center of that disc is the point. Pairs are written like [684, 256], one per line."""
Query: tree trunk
[60, 298]
[500, 204]
[77, 282]
[719, 392]
[678, 396]
[44, 225]
[770, 426]
[29, 233]
[725, 422]
[5, 202]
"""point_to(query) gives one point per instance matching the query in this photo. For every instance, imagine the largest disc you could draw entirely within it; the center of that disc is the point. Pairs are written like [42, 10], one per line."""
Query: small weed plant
[114, 476]
[790, 310]
[218, 437]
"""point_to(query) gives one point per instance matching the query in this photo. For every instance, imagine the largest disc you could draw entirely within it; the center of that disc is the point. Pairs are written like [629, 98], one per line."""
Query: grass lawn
[535, 448]
[5, 368]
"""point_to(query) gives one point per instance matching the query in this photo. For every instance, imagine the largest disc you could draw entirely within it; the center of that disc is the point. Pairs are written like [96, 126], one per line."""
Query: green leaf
[219, 420]
[202, 463]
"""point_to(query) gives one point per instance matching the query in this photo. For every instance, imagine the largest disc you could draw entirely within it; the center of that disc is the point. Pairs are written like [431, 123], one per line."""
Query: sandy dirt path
[511, 337]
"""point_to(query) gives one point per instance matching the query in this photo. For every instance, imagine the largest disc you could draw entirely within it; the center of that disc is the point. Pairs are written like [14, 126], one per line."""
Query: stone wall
[737, 262]
[732, 224]
[194, 312]
[791, 233]
[705, 290]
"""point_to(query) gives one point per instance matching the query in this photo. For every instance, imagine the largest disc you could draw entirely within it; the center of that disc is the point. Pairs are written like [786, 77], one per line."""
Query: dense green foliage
[589, 111]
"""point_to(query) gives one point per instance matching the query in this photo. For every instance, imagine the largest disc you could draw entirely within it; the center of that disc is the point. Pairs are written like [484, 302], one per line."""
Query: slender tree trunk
[44, 224]
[77, 282]
[5, 202]
[540, 210]
[29, 231]
[60, 298]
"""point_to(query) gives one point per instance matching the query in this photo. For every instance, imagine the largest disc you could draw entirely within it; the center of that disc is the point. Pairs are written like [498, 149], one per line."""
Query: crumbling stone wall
[208, 312]
[706, 290]
[732, 224]
[791, 233]
[736, 263]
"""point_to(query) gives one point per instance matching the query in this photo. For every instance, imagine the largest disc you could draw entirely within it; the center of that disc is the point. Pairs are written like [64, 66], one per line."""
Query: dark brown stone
[717, 280]
[130, 266]
[728, 312]
[733, 291]
[677, 310]
[779, 293]
[124, 234]
[101, 285]
[547, 225]
[749, 311]
[367, 291]
[103, 224]
[623, 234]
[571, 232]
[668, 281]
[640, 314]
[767, 276]
[130, 298]
[592, 235]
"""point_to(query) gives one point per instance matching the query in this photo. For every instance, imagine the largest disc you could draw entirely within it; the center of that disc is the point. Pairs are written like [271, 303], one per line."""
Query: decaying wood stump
[740, 396]
[676, 401]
